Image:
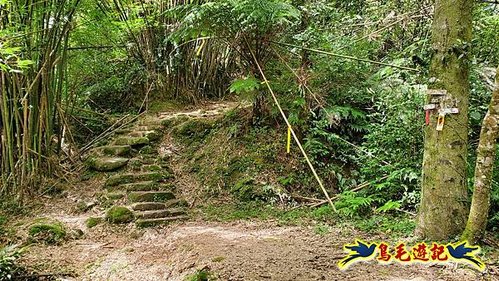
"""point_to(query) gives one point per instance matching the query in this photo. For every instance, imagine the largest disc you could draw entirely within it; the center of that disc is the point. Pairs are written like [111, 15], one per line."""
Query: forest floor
[237, 250]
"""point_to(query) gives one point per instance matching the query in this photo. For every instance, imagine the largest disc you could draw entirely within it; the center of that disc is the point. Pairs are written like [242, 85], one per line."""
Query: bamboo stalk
[29, 99]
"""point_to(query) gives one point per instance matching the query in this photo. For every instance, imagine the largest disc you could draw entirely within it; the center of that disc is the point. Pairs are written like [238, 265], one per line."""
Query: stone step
[150, 196]
[150, 135]
[123, 131]
[107, 164]
[176, 203]
[148, 128]
[152, 168]
[160, 221]
[142, 186]
[148, 206]
[156, 214]
[137, 177]
[115, 150]
[132, 141]
[150, 122]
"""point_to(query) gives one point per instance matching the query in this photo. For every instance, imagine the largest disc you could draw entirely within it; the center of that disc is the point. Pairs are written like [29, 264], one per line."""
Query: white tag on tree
[440, 121]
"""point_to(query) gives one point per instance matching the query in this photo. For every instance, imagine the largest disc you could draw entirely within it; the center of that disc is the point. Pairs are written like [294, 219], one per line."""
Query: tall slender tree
[443, 209]
[486, 153]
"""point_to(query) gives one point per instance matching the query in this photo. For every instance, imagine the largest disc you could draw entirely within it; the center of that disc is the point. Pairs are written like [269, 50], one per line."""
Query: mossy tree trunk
[486, 153]
[443, 209]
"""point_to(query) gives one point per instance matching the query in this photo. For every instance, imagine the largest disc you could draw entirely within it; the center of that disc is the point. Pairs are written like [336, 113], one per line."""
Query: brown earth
[242, 250]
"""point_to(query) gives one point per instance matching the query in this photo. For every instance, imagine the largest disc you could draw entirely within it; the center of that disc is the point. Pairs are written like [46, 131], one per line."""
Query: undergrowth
[249, 168]
[322, 218]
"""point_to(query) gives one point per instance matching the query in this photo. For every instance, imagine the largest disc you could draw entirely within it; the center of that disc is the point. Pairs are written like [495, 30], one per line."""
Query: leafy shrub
[92, 221]
[8, 266]
[247, 189]
[201, 275]
[352, 204]
[117, 93]
[394, 143]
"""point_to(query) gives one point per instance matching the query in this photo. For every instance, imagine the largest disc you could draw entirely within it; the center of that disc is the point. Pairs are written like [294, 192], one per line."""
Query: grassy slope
[243, 172]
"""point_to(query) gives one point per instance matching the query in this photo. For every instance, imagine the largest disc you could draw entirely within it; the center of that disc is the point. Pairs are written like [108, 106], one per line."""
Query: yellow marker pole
[289, 126]
[288, 146]
[200, 48]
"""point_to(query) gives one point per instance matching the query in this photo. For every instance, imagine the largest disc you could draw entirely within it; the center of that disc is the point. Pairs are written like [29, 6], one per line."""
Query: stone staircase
[138, 177]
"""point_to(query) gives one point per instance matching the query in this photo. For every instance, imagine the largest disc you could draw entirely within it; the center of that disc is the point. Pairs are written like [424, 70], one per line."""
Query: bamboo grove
[177, 65]
[33, 58]
[35, 49]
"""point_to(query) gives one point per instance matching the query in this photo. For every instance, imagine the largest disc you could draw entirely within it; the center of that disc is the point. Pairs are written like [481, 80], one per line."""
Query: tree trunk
[443, 209]
[486, 153]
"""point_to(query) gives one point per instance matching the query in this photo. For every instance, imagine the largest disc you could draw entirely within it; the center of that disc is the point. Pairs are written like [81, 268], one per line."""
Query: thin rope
[345, 56]
[290, 128]
[329, 114]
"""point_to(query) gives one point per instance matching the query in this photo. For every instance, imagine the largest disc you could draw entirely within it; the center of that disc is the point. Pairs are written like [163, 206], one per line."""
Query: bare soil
[231, 251]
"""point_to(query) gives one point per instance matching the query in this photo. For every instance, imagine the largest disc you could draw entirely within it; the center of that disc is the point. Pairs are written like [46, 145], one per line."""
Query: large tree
[443, 209]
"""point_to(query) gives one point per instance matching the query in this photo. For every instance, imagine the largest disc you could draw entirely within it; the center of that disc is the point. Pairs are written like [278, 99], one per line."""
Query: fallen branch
[109, 131]
[407, 212]
[299, 197]
[322, 202]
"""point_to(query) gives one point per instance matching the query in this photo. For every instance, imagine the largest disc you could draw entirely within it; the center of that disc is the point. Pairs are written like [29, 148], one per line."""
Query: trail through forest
[242, 250]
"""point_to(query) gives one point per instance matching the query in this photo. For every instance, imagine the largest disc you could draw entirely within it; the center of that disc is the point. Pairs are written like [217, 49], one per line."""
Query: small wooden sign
[436, 92]
[429, 106]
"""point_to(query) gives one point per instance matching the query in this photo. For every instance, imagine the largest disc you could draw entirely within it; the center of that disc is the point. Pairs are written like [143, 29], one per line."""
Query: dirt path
[232, 251]
[241, 250]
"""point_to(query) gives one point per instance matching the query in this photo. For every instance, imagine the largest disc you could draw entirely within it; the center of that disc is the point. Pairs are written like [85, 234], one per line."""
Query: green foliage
[92, 222]
[322, 229]
[247, 189]
[485, 34]
[352, 204]
[395, 226]
[116, 93]
[33, 64]
[47, 231]
[8, 262]
[244, 86]
[324, 139]
[389, 206]
[394, 143]
[263, 211]
[201, 275]
[230, 17]
[3, 221]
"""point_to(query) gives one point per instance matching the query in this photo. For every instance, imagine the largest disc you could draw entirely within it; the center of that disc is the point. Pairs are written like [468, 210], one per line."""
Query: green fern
[244, 85]
[351, 204]
[389, 206]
